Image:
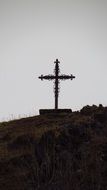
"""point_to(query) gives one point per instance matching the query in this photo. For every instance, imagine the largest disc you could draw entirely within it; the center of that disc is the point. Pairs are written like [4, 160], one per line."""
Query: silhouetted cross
[57, 78]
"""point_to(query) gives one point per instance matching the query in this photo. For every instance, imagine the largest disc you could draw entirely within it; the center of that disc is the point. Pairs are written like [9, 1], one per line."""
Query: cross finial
[57, 61]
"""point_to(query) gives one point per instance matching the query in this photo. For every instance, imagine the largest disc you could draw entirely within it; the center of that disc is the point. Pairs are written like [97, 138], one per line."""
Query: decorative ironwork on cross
[57, 79]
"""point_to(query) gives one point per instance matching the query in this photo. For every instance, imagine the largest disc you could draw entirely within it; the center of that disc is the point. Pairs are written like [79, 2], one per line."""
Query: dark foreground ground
[68, 152]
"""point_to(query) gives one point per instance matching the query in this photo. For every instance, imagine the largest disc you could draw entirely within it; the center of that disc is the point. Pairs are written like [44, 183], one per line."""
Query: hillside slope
[67, 152]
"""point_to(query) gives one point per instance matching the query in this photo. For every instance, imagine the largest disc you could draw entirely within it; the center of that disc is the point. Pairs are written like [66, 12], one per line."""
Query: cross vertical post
[56, 83]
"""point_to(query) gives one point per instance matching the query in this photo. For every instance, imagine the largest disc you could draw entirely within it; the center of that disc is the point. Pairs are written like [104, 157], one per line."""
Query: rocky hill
[65, 152]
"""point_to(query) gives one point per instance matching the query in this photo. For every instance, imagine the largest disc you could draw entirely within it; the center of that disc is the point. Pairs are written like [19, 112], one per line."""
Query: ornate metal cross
[57, 79]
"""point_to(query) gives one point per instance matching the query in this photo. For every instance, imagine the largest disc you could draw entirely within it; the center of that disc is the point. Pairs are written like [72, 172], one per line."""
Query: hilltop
[65, 152]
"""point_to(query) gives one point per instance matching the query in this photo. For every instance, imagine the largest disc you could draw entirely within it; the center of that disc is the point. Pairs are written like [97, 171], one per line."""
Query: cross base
[54, 111]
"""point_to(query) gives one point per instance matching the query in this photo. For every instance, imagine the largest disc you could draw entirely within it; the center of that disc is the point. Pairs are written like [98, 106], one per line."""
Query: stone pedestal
[54, 111]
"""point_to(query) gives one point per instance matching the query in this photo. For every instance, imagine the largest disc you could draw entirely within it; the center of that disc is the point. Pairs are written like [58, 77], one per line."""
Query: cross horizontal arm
[47, 77]
[64, 77]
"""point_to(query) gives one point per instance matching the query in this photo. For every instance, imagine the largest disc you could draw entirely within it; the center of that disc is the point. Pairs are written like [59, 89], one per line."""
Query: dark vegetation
[67, 152]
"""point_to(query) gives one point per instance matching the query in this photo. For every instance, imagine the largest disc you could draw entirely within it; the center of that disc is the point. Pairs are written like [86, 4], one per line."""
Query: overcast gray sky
[33, 33]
